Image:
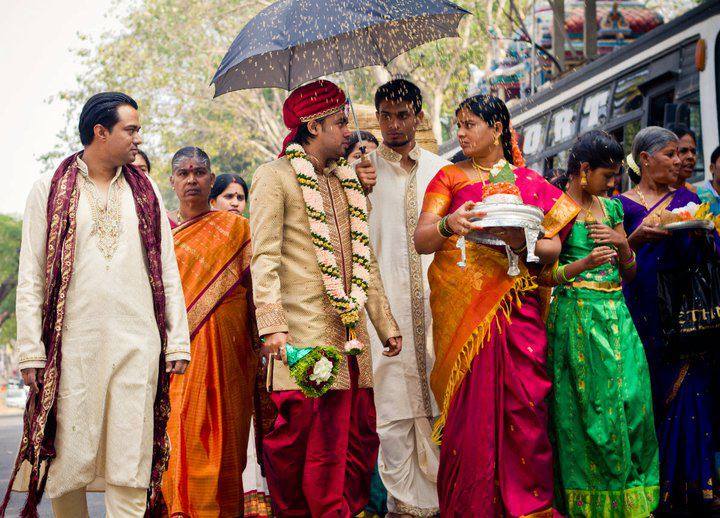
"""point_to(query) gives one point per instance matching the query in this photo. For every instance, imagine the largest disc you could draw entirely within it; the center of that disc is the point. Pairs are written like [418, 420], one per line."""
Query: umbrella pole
[349, 97]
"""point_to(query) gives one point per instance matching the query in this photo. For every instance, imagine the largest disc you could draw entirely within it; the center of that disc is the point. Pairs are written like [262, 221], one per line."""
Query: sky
[36, 38]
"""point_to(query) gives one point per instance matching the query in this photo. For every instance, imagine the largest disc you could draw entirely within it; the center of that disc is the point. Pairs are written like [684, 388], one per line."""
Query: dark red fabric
[320, 454]
[309, 100]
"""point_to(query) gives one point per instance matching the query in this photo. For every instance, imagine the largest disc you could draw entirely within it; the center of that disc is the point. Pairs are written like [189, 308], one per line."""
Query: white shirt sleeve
[31, 278]
[178, 334]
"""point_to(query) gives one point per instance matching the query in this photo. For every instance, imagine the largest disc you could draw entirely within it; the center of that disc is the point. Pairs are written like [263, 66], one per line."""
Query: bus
[669, 75]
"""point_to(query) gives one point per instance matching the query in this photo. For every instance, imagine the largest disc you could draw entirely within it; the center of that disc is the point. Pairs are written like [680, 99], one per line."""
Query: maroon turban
[309, 102]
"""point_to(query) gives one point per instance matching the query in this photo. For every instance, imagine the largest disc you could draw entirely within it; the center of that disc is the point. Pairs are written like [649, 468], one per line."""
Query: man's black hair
[400, 90]
[101, 109]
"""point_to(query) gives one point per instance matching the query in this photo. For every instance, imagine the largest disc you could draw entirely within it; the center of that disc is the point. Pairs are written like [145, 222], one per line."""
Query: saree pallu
[212, 403]
[490, 374]
[685, 392]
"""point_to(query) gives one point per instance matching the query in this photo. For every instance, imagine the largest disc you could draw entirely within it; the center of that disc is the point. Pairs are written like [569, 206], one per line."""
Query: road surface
[10, 431]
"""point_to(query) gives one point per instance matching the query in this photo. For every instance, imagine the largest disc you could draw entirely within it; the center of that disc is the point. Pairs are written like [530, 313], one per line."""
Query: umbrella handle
[349, 100]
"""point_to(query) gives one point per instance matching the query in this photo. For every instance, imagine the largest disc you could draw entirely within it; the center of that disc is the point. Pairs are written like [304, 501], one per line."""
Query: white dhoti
[120, 502]
[406, 409]
[408, 463]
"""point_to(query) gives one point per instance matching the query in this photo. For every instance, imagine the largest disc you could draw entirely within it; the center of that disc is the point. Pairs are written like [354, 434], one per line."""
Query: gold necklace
[481, 171]
[480, 167]
[641, 196]
[589, 217]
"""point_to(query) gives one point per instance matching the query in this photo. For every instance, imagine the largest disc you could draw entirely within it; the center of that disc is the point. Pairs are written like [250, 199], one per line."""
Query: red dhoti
[320, 454]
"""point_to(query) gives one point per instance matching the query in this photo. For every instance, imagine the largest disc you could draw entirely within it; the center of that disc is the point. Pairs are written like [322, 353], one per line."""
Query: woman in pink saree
[490, 376]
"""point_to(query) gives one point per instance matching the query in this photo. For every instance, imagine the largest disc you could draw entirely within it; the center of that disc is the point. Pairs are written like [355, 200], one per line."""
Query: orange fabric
[211, 404]
[465, 303]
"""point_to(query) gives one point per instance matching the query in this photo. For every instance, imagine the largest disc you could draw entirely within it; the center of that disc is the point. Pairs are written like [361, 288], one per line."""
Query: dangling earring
[497, 139]
[583, 180]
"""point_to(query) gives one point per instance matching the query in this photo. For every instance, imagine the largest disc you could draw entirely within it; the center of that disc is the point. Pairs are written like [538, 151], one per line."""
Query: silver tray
[693, 224]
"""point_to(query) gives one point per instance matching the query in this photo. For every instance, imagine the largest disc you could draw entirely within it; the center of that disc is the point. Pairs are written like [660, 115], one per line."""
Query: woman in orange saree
[210, 407]
[490, 374]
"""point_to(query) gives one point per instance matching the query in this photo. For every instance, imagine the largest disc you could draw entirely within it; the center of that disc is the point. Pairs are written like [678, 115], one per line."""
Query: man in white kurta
[406, 409]
[110, 344]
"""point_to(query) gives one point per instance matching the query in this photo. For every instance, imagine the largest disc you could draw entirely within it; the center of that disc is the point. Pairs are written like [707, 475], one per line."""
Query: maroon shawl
[38, 440]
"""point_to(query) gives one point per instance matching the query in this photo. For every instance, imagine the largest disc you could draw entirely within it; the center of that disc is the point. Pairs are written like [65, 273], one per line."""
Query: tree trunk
[558, 33]
[590, 30]
[437, 102]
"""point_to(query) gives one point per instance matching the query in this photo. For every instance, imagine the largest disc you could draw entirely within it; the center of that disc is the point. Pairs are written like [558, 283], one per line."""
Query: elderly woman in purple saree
[684, 390]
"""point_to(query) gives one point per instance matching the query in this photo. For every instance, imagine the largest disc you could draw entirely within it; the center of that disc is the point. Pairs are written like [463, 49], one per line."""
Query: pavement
[10, 432]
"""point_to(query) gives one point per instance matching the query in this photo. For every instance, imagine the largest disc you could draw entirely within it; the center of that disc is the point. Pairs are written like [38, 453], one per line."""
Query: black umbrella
[294, 41]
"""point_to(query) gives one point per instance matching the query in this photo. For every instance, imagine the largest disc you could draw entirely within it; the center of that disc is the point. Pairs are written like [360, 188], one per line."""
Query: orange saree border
[465, 304]
[562, 212]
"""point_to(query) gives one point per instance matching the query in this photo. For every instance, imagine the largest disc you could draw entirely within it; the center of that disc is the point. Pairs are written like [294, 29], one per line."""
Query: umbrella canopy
[294, 41]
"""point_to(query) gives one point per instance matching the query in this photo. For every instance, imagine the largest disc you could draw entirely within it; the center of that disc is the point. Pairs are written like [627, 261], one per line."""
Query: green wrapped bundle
[313, 368]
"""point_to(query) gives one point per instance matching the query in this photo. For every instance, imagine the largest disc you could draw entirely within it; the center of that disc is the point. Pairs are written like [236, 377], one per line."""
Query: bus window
[533, 135]
[624, 135]
[693, 122]
[595, 110]
[563, 124]
[548, 167]
[627, 96]
[656, 106]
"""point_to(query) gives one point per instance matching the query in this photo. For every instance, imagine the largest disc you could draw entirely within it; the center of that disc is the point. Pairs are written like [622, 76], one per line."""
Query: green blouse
[578, 244]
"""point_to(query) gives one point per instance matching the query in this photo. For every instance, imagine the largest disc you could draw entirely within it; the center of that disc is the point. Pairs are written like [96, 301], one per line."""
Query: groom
[313, 277]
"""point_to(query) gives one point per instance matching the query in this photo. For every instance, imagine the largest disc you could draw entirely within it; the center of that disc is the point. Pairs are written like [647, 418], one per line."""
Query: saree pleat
[212, 403]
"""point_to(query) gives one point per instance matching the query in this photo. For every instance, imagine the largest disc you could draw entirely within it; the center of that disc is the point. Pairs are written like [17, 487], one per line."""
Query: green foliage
[10, 232]
[166, 54]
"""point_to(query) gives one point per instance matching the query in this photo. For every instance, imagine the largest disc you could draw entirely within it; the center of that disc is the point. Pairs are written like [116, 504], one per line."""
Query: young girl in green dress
[606, 452]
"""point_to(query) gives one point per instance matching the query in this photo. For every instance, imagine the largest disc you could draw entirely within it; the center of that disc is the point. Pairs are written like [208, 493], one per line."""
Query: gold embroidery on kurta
[417, 291]
[107, 223]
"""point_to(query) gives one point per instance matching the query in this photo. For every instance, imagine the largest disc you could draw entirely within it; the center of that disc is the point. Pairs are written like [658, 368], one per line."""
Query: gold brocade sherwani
[288, 287]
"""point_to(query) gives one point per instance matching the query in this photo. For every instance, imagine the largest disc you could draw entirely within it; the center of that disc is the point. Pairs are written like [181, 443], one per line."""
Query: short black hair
[223, 181]
[715, 155]
[145, 157]
[400, 90]
[596, 147]
[303, 135]
[353, 141]
[681, 130]
[101, 109]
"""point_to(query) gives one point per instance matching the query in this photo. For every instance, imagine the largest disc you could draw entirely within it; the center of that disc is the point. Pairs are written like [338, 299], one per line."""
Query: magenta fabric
[320, 454]
[497, 425]
[534, 190]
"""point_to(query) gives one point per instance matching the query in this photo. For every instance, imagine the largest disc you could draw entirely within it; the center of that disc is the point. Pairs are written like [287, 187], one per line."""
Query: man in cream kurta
[110, 341]
[408, 460]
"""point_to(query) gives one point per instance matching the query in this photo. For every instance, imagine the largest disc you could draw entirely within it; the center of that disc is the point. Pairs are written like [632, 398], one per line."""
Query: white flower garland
[347, 305]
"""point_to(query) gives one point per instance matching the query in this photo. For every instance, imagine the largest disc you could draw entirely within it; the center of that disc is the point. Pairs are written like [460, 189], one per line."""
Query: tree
[10, 232]
[168, 50]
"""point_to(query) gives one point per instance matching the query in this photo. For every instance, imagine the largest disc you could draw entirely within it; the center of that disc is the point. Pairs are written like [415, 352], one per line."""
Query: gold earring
[583, 179]
[497, 139]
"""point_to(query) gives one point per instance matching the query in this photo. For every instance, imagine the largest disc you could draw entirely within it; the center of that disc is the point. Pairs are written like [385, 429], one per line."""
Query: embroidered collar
[391, 155]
